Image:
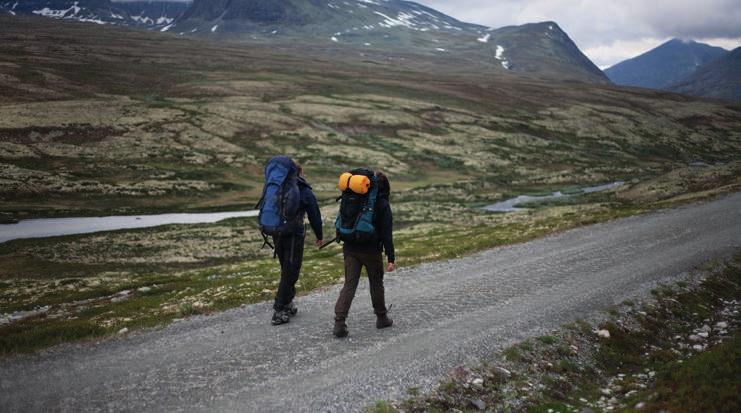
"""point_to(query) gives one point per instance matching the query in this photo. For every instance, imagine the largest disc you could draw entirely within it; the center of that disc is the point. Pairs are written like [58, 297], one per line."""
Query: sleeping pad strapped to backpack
[357, 205]
[281, 198]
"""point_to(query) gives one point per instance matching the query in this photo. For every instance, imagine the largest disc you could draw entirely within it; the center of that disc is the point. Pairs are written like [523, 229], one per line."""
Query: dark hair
[384, 187]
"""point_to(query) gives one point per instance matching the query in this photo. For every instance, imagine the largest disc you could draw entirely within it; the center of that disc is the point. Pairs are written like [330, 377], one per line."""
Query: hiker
[287, 197]
[365, 225]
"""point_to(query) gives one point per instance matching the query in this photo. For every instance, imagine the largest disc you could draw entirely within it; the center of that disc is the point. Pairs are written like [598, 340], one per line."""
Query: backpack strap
[266, 242]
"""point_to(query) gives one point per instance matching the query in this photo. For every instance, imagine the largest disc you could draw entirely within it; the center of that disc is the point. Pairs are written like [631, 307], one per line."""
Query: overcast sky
[610, 31]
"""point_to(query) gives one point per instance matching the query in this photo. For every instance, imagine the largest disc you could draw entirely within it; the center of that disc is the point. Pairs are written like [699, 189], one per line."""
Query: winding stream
[510, 205]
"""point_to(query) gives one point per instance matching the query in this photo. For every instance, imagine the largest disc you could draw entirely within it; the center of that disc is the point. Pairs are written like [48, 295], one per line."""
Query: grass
[160, 138]
[708, 382]
[643, 366]
[177, 292]
[550, 340]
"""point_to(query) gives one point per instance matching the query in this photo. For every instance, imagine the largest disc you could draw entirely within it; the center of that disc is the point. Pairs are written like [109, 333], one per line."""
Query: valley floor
[446, 313]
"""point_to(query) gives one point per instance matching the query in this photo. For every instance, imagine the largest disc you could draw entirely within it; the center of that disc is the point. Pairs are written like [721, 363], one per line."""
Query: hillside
[393, 26]
[720, 79]
[664, 65]
[99, 120]
[353, 18]
[544, 49]
[149, 121]
[349, 28]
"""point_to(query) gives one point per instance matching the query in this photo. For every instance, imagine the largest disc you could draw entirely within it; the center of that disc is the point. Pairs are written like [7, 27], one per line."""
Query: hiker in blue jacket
[289, 248]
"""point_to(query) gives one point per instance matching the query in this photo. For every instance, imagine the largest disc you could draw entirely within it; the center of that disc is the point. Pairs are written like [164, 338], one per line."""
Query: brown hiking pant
[354, 262]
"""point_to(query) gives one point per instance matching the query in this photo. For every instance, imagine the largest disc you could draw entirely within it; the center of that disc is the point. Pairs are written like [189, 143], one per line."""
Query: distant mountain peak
[664, 65]
[720, 78]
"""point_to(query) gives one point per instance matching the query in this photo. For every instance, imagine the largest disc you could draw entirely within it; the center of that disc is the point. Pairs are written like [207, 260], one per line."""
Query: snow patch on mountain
[499, 55]
[71, 13]
[403, 20]
[152, 14]
[59, 14]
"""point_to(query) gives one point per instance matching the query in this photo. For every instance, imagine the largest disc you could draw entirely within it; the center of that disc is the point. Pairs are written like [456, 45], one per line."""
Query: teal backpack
[355, 220]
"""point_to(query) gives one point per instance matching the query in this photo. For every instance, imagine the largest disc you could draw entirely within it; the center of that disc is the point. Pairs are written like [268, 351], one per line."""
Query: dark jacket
[309, 207]
[383, 221]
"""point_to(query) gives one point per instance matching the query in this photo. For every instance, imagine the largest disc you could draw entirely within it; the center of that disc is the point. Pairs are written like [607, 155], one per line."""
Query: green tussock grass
[709, 382]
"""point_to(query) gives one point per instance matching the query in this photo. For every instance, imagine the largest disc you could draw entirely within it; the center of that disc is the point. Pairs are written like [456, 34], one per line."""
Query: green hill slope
[131, 120]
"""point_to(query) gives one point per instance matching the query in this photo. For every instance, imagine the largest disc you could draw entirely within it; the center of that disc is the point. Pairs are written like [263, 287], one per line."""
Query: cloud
[606, 54]
[610, 31]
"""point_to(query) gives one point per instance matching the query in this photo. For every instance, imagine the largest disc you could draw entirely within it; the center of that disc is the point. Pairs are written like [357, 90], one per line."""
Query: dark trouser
[354, 262]
[290, 252]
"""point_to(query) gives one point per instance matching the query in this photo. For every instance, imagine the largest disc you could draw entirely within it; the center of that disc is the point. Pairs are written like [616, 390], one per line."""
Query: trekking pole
[327, 243]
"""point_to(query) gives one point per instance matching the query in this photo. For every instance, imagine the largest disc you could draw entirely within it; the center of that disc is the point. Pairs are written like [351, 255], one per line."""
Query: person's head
[299, 169]
[384, 187]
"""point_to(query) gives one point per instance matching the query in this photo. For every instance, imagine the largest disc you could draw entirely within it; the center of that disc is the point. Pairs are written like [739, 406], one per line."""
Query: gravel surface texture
[445, 314]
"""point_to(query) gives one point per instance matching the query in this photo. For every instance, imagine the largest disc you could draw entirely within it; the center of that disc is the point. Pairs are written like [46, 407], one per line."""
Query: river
[50, 227]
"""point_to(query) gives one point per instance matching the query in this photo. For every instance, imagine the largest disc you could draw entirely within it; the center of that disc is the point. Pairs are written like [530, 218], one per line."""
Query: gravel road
[445, 314]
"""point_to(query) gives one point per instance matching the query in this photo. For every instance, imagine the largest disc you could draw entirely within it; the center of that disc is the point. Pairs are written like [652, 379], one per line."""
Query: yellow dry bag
[360, 184]
[345, 181]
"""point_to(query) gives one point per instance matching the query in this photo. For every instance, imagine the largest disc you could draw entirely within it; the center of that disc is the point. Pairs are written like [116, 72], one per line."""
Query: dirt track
[445, 314]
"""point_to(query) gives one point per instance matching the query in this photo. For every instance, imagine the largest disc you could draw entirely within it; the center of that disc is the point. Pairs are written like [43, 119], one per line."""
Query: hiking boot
[383, 321]
[280, 317]
[340, 329]
[291, 309]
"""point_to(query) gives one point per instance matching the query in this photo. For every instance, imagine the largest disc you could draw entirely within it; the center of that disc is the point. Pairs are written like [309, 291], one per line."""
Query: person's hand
[390, 267]
[318, 243]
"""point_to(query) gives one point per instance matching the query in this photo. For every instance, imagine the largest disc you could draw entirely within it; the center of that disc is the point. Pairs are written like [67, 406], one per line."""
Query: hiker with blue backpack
[365, 226]
[286, 199]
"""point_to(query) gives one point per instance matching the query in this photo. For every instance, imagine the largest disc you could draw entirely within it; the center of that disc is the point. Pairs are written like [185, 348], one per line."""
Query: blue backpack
[355, 220]
[281, 198]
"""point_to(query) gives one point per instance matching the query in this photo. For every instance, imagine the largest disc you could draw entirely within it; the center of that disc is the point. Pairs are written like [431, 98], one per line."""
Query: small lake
[510, 205]
[50, 227]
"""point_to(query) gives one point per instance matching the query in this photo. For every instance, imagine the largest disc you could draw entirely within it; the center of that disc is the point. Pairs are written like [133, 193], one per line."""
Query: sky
[610, 31]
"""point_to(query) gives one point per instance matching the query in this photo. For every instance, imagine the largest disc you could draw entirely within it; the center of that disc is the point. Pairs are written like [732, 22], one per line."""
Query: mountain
[543, 48]
[720, 78]
[540, 49]
[665, 65]
[153, 14]
[351, 18]
[376, 29]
